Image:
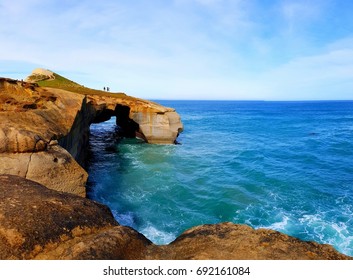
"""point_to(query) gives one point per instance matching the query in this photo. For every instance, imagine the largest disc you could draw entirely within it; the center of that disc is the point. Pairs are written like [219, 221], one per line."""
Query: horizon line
[257, 100]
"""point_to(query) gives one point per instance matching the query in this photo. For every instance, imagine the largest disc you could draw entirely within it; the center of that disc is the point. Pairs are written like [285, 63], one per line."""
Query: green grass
[61, 82]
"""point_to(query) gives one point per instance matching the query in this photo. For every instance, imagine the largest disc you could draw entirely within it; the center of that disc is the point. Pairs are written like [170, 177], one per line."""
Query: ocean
[286, 166]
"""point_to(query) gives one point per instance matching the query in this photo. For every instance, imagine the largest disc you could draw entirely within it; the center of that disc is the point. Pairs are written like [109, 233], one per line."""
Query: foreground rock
[39, 223]
[228, 241]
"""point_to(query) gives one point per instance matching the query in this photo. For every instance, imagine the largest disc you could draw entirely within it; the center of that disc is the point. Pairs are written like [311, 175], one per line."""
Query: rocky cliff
[32, 121]
[44, 131]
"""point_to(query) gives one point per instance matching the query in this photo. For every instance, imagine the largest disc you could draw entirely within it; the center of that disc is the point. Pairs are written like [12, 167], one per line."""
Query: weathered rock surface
[40, 74]
[157, 124]
[32, 119]
[34, 218]
[39, 223]
[54, 168]
[154, 123]
[241, 242]
[44, 132]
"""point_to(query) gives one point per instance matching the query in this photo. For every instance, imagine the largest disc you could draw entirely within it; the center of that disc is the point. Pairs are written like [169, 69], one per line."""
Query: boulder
[34, 219]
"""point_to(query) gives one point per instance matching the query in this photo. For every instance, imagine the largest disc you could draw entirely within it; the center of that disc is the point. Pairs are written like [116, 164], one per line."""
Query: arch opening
[127, 127]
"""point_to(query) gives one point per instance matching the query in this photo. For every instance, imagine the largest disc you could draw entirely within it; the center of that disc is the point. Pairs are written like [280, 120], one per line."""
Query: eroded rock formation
[39, 223]
[44, 132]
[229, 241]
[155, 123]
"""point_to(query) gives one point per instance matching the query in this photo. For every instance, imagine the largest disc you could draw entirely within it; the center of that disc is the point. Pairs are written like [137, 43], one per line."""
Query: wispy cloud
[328, 75]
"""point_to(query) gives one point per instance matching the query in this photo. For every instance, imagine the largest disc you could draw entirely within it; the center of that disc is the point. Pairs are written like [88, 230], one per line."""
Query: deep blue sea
[286, 166]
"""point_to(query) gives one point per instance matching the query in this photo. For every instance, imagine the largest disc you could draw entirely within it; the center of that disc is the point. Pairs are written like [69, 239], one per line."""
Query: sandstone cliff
[39, 223]
[32, 120]
[154, 123]
[44, 131]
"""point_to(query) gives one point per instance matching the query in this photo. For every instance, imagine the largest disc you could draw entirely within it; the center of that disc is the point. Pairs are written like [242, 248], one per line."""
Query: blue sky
[186, 49]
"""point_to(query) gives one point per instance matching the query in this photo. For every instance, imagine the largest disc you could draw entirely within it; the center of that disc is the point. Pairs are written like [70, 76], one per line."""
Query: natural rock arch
[47, 141]
[127, 126]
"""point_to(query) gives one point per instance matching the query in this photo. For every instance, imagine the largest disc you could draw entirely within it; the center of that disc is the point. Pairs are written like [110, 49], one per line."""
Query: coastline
[45, 138]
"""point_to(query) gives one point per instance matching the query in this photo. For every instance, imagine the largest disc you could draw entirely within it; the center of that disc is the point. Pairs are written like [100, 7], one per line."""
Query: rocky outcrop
[32, 120]
[39, 223]
[44, 132]
[229, 241]
[39, 74]
[35, 219]
[54, 168]
[31, 117]
[154, 123]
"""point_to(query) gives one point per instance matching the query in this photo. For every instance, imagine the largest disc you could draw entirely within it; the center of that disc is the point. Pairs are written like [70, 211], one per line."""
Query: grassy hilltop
[57, 81]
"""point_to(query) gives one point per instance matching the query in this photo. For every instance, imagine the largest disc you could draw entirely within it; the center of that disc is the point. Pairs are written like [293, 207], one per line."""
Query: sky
[186, 49]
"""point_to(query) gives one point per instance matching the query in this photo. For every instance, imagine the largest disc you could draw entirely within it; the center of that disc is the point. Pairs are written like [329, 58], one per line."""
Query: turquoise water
[287, 166]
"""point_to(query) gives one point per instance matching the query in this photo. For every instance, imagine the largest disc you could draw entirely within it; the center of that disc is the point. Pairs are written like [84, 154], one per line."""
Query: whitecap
[334, 233]
[281, 225]
[157, 236]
